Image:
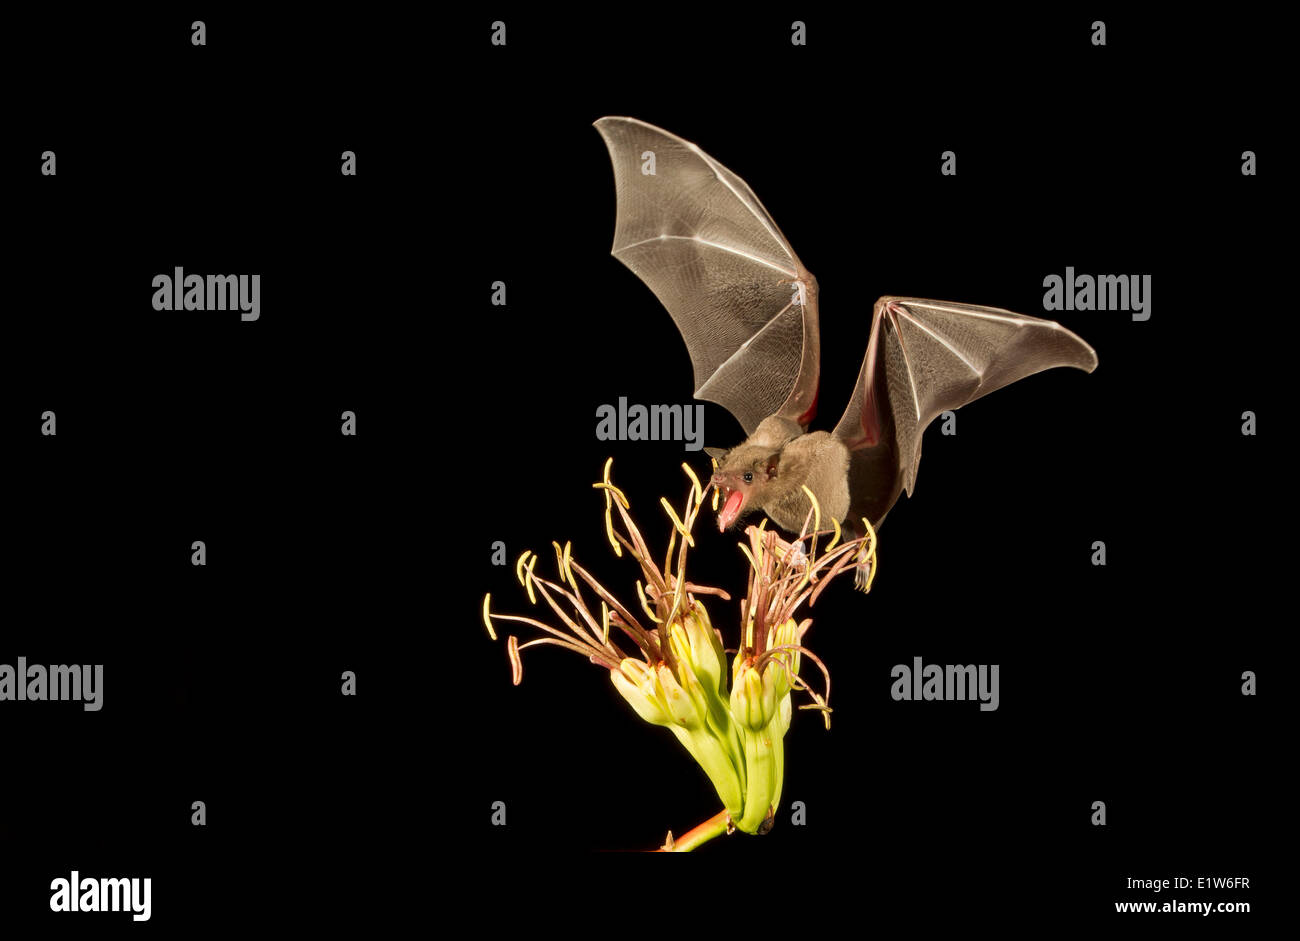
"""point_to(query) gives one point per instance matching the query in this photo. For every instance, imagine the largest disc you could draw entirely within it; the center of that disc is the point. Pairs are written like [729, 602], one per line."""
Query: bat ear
[718, 454]
[771, 465]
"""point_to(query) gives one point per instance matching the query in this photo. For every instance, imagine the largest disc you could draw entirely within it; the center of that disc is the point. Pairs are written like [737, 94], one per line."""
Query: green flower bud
[753, 698]
[706, 650]
[696, 686]
[680, 645]
[675, 701]
[636, 684]
[786, 634]
[784, 713]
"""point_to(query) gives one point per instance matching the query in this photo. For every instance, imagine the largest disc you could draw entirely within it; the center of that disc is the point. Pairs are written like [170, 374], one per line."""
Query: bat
[746, 306]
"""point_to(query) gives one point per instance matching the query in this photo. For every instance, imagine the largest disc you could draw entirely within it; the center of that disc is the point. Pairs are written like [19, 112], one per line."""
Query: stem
[713, 827]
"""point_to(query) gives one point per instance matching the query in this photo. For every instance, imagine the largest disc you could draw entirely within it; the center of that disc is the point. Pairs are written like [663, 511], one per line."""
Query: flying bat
[699, 238]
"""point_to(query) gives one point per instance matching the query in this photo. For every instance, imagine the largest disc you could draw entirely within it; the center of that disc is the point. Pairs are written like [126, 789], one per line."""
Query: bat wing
[697, 235]
[926, 357]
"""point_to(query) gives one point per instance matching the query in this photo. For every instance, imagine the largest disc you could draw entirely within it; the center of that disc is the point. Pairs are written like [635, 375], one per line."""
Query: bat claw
[801, 286]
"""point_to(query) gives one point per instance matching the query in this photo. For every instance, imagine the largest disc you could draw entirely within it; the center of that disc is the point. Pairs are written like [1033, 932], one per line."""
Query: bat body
[697, 235]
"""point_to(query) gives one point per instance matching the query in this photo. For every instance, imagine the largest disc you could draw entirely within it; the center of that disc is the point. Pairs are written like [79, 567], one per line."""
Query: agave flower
[733, 719]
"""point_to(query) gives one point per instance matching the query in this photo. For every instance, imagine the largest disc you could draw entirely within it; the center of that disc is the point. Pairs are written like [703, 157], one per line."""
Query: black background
[477, 424]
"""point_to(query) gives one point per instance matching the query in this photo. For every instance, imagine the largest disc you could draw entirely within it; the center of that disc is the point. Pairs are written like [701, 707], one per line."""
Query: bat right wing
[697, 235]
[926, 357]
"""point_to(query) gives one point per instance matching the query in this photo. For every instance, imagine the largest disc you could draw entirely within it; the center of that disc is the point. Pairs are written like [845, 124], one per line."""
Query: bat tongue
[730, 510]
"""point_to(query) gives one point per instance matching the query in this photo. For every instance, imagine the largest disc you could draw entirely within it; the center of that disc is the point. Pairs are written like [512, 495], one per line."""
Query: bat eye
[749, 478]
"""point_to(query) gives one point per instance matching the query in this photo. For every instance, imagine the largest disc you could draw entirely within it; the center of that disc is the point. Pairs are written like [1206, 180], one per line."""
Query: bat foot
[862, 575]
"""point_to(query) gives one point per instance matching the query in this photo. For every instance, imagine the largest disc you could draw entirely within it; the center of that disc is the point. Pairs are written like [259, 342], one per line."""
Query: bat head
[742, 476]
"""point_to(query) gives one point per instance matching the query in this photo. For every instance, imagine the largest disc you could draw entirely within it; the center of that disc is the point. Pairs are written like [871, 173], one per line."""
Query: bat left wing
[697, 235]
[926, 357]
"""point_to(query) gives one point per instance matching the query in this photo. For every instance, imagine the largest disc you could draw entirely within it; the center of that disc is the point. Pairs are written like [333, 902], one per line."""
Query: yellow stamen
[716, 493]
[529, 583]
[608, 485]
[869, 554]
[817, 508]
[668, 556]
[519, 566]
[677, 523]
[610, 488]
[817, 525]
[745, 549]
[568, 569]
[487, 616]
[834, 541]
[609, 526]
[869, 547]
[604, 622]
[645, 605]
[695, 482]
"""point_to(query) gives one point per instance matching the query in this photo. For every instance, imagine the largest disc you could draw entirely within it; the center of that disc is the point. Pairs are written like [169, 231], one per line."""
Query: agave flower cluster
[731, 718]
